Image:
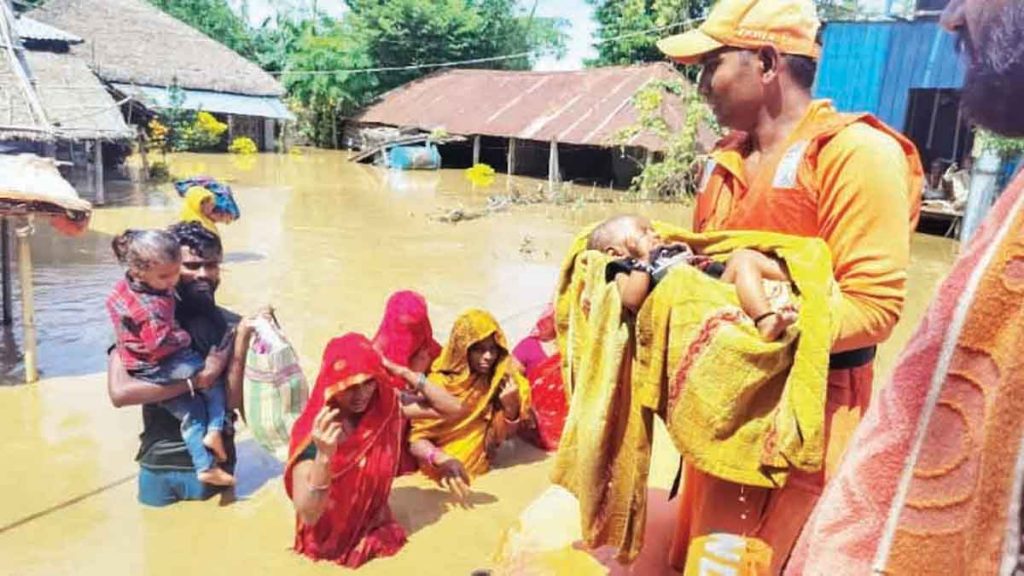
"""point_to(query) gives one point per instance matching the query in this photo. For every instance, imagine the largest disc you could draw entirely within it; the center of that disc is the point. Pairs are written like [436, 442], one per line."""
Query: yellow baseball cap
[789, 25]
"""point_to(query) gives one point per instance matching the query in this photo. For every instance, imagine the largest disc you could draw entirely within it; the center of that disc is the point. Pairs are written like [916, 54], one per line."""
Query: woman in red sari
[344, 455]
[405, 339]
[542, 364]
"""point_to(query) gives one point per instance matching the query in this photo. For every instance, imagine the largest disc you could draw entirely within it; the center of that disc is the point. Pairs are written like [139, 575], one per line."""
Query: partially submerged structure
[141, 51]
[566, 125]
[31, 186]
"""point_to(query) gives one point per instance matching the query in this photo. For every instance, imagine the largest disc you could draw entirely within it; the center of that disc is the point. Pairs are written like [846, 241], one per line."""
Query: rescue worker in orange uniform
[794, 165]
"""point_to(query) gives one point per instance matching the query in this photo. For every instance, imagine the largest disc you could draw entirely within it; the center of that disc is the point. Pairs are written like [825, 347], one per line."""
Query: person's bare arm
[633, 289]
[127, 391]
[434, 401]
[453, 474]
[311, 479]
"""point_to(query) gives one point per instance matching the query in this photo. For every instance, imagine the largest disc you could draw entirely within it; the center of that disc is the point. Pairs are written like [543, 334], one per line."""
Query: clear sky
[579, 14]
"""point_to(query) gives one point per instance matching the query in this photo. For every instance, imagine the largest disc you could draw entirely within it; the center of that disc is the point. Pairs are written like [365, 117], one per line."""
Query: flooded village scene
[482, 287]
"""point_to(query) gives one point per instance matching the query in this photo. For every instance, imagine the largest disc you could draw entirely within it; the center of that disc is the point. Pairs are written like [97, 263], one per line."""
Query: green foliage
[672, 175]
[186, 129]
[1007, 148]
[626, 28]
[213, 18]
[398, 33]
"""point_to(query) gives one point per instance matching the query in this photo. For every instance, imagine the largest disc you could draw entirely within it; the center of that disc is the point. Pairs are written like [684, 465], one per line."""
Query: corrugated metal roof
[218, 102]
[586, 107]
[30, 29]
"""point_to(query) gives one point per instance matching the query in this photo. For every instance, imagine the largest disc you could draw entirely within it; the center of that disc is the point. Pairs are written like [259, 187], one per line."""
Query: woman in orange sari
[344, 454]
[475, 368]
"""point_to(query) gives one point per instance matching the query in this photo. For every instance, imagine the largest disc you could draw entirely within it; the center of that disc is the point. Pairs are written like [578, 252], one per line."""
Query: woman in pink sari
[405, 339]
[542, 364]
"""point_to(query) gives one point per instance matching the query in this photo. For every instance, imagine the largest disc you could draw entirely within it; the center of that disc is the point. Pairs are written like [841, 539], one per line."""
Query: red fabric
[144, 325]
[403, 331]
[550, 406]
[357, 525]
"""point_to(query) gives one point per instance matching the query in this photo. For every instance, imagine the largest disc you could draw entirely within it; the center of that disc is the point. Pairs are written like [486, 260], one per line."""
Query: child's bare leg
[748, 270]
[216, 476]
[215, 442]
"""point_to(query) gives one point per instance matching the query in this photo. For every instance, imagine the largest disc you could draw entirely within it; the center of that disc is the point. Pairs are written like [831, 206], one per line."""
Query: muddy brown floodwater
[325, 242]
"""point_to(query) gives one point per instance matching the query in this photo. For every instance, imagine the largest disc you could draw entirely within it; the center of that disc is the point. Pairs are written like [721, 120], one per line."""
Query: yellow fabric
[604, 454]
[465, 438]
[192, 209]
[749, 411]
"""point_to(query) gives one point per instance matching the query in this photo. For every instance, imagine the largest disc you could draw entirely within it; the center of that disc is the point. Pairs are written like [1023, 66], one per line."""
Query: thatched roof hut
[132, 42]
[21, 112]
[76, 103]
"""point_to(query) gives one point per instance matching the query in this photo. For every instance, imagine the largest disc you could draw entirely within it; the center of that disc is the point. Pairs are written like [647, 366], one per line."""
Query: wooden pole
[5, 257]
[476, 150]
[98, 173]
[143, 153]
[28, 319]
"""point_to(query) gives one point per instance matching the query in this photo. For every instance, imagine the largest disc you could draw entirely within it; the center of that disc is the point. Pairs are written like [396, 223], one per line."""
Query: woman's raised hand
[327, 431]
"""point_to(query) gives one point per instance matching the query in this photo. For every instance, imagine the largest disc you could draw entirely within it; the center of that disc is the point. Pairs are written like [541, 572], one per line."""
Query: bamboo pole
[28, 319]
[143, 153]
[5, 265]
[476, 150]
[984, 181]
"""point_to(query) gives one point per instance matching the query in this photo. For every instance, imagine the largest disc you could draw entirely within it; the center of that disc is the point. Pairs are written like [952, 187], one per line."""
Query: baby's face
[641, 238]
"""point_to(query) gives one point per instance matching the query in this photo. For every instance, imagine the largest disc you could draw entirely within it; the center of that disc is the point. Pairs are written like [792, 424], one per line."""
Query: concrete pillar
[511, 156]
[984, 180]
[476, 150]
[554, 174]
[97, 158]
[269, 139]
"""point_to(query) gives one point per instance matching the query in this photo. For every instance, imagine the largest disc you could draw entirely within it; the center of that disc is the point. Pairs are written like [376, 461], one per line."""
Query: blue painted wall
[873, 66]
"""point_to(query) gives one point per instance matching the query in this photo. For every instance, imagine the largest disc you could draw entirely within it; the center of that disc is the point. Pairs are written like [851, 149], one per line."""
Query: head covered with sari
[358, 525]
[192, 209]
[406, 329]
[544, 330]
[465, 437]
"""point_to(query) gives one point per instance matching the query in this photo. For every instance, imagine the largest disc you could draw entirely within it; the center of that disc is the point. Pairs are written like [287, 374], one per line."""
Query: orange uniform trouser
[708, 505]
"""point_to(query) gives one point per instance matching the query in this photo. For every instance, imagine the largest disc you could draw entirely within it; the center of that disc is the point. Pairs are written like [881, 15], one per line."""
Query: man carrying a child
[166, 471]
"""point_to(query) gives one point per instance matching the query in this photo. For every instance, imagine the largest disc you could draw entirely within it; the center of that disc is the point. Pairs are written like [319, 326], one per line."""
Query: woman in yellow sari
[476, 368]
[198, 207]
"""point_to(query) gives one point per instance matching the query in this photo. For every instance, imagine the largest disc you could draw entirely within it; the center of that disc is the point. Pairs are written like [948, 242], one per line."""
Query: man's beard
[197, 295]
[995, 74]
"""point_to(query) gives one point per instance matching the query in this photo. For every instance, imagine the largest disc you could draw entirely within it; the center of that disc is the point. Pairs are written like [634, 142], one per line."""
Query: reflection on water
[326, 242]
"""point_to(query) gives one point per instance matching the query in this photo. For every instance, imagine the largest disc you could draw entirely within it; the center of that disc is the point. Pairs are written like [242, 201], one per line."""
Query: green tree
[215, 18]
[399, 33]
[627, 30]
[322, 98]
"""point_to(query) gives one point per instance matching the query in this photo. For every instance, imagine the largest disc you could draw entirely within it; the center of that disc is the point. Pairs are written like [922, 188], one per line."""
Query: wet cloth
[224, 199]
[958, 394]
[736, 406]
[192, 209]
[274, 388]
[357, 524]
[547, 389]
[405, 330]
[465, 437]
